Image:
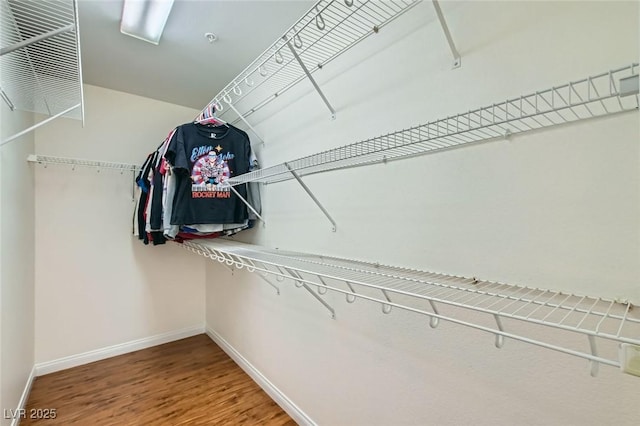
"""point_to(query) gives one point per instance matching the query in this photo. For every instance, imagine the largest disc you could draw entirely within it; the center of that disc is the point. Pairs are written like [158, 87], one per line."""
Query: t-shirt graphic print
[209, 174]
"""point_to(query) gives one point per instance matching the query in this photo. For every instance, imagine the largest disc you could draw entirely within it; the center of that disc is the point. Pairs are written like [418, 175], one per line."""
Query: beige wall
[97, 285]
[554, 209]
[17, 246]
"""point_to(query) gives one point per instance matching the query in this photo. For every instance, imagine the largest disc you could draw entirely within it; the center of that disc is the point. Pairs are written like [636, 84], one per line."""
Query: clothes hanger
[207, 117]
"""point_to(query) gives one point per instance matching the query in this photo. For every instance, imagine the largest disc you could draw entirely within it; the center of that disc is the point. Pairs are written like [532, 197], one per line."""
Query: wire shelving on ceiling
[608, 93]
[325, 32]
[483, 305]
[40, 59]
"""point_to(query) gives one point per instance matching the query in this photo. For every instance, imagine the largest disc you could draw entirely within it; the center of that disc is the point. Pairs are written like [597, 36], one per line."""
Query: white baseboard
[280, 398]
[24, 397]
[115, 350]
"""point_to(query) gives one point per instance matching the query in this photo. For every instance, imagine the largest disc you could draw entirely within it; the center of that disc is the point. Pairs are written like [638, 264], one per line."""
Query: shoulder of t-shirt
[185, 126]
[242, 132]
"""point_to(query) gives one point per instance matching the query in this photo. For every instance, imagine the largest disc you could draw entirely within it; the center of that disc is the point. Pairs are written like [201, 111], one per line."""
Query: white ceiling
[184, 69]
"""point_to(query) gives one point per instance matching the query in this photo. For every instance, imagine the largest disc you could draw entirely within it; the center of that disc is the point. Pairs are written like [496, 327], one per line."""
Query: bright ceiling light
[145, 19]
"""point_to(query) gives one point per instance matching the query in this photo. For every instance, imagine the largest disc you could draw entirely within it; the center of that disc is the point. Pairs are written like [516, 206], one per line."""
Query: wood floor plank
[186, 382]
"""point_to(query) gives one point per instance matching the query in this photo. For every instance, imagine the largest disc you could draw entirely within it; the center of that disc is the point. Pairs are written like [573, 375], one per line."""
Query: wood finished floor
[187, 382]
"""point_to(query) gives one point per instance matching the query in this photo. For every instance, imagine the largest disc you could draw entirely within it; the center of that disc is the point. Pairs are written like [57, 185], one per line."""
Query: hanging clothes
[184, 192]
[203, 158]
[144, 184]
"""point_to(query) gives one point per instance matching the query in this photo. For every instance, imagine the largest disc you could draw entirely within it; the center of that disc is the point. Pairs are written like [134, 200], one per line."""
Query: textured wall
[97, 285]
[554, 209]
[17, 246]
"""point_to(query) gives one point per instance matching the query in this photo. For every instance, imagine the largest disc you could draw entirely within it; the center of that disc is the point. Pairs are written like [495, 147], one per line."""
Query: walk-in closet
[333, 212]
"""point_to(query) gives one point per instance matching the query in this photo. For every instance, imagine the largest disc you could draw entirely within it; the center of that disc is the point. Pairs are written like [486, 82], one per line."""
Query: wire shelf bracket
[457, 61]
[311, 79]
[265, 279]
[244, 120]
[246, 203]
[6, 99]
[609, 323]
[313, 197]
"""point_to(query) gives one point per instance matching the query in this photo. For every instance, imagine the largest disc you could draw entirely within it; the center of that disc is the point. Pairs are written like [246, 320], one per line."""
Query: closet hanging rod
[64, 161]
[595, 96]
[605, 322]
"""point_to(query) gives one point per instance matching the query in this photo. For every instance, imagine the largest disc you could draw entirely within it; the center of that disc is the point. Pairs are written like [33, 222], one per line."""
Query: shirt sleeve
[175, 154]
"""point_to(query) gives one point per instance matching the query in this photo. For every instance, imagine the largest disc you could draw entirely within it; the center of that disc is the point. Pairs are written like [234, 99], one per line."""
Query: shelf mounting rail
[40, 59]
[122, 167]
[46, 160]
[608, 93]
[73, 162]
[459, 300]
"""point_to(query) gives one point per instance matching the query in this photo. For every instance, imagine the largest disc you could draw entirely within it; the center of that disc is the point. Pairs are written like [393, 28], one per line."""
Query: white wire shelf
[443, 297]
[40, 57]
[327, 30]
[78, 162]
[594, 96]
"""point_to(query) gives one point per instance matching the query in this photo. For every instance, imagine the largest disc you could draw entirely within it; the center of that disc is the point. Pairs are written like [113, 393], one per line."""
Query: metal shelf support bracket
[434, 321]
[249, 206]
[265, 279]
[311, 79]
[319, 299]
[251, 267]
[457, 61]
[351, 297]
[298, 279]
[5, 98]
[386, 309]
[313, 197]
[244, 120]
[322, 289]
[595, 365]
[499, 337]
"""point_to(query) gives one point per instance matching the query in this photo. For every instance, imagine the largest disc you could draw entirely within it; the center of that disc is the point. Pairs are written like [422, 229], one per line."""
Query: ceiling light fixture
[145, 19]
